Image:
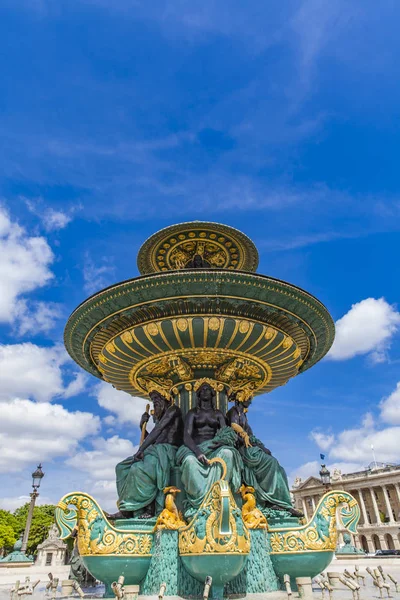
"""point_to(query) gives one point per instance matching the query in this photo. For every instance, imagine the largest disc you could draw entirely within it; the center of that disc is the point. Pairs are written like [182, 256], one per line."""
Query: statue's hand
[203, 459]
[144, 419]
[138, 456]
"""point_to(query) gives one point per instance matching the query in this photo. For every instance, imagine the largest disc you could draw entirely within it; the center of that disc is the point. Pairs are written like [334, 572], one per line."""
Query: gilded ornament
[287, 342]
[127, 337]
[217, 527]
[170, 517]
[162, 386]
[110, 347]
[103, 359]
[181, 368]
[320, 533]
[152, 328]
[269, 334]
[244, 326]
[188, 387]
[252, 516]
[297, 353]
[218, 387]
[182, 324]
[95, 535]
[214, 323]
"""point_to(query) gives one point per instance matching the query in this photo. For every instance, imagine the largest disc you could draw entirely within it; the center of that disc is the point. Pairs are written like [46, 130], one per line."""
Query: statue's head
[240, 399]
[197, 261]
[206, 396]
[160, 404]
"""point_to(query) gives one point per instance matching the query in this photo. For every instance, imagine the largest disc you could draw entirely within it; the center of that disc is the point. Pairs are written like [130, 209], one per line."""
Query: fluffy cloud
[55, 219]
[31, 432]
[353, 447]
[390, 407]
[36, 316]
[96, 276]
[24, 267]
[99, 464]
[366, 329]
[323, 441]
[31, 371]
[126, 408]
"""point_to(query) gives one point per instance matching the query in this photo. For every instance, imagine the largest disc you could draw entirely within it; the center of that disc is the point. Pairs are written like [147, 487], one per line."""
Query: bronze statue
[261, 470]
[206, 436]
[142, 478]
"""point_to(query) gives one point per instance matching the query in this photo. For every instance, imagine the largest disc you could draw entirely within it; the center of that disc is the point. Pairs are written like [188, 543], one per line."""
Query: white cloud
[366, 329]
[390, 407]
[37, 317]
[99, 463]
[76, 385]
[355, 445]
[95, 275]
[31, 432]
[323, 441]
[24, 267]
[35, 372]
[127, 409]
[11, 503]
[55, 219]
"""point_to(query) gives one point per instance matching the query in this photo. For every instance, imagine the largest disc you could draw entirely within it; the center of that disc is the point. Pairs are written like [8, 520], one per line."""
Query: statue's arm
[221, 420]
[168, 417]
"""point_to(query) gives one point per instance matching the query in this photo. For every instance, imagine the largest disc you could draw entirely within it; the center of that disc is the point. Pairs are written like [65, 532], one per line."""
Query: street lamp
[37, 477]
[325, 475]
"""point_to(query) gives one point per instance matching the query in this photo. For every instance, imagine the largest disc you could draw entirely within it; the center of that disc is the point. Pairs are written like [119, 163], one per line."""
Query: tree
[8, 530]
[43, 518]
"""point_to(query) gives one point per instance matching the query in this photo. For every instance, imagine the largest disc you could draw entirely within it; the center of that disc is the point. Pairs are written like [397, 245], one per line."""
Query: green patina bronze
[17, 556]
[197, 329]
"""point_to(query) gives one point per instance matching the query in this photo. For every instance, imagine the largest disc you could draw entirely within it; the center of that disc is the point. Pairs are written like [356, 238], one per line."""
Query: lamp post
[325, 475]
[37, 477]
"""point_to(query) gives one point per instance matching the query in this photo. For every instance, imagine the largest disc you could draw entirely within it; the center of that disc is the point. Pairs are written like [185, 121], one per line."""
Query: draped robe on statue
[261, 470]
[141, 482]
[197, 478]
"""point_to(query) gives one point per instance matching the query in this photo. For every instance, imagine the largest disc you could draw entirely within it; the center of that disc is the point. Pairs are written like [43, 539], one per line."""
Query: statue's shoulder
[175, 410]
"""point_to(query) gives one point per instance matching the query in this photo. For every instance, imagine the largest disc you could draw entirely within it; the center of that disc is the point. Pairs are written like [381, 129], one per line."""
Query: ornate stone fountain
[197, 329]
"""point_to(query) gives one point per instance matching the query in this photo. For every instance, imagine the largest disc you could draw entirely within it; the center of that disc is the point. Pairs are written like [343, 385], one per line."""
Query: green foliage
[8, 530]
[43, 518]
[12, 525]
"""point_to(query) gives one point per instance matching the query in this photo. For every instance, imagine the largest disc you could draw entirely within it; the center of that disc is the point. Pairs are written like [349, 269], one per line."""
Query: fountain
[203, 498]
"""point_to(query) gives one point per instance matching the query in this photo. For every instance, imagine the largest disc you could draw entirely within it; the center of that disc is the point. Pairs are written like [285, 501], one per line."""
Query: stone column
[382, 541]
[388, 507]
[376, 509]
[313, 503]
[364, 510]
[304, 505]
[370, 544]
[397, 486]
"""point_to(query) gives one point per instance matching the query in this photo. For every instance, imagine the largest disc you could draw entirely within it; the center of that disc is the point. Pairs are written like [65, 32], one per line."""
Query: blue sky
[118, 119]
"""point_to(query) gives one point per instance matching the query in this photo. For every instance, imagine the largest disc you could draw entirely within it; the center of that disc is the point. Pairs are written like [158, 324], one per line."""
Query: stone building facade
[52, 552]
[377, 490]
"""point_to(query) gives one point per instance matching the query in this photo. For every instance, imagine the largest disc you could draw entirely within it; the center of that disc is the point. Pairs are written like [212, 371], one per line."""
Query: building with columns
[377, 490]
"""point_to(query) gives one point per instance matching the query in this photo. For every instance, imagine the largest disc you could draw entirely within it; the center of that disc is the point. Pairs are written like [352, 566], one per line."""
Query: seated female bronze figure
[206, 436]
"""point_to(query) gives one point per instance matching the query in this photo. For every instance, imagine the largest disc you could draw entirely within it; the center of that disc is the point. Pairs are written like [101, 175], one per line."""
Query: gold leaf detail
[244, 326]
[152, 328]
[111, 347]
[287, 342]
[213, 323]
[269, 334]
[127, 337]
[182, 324]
